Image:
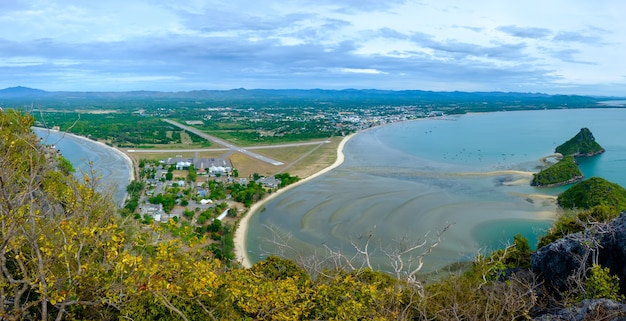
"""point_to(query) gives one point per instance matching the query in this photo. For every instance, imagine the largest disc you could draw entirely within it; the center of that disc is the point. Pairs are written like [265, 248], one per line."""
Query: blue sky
[550, 46]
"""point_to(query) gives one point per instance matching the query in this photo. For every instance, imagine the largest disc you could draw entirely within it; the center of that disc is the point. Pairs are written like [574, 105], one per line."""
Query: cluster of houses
[202, 165]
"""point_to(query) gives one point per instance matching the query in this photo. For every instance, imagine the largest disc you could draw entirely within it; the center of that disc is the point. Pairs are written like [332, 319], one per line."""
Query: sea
[109, 166]
[461, 180]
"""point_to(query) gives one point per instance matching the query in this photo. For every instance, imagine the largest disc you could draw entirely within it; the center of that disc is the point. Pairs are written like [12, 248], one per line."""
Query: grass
[302, 161]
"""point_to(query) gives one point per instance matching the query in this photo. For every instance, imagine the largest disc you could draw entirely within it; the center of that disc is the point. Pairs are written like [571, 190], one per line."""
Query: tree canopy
[583, 144]
[563, 172]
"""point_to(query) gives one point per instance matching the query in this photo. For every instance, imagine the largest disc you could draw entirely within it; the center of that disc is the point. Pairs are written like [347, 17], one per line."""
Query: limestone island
[566, 171]
[581, 145]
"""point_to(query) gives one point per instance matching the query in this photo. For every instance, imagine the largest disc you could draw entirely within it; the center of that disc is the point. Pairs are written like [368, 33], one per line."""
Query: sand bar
[241, 252]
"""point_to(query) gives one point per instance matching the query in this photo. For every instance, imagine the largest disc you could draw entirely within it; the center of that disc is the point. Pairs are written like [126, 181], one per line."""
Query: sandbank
[241, 252]
[496, 173]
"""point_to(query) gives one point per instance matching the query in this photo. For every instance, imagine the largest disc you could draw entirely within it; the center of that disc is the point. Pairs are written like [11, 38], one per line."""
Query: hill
[323, 98]
[583, 144]
[592, 192]
[21, 92]
[563, 172]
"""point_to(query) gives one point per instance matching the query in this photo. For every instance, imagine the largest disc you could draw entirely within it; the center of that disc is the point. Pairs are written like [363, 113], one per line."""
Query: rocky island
[581, 145]
[566, 171]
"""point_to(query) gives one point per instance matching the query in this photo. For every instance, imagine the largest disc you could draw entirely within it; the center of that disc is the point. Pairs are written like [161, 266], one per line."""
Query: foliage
[168, 201]
[123, 129]
[65, 165]
[247, 194]
[592, 192]
[574, 221]
[583, 144]
[286, 179]
[602, 284]
[564, 171]
[67, 255]
[472, 297]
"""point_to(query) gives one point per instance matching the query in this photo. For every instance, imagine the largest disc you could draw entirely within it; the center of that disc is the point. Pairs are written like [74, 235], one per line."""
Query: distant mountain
[22, 92]
[294, 98]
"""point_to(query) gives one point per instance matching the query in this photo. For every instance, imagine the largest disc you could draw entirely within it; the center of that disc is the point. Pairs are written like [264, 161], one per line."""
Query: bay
[411, 179]
[111, 168]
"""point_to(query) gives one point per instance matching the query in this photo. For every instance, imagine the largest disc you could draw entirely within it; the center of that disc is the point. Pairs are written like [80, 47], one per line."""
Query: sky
[547, 46]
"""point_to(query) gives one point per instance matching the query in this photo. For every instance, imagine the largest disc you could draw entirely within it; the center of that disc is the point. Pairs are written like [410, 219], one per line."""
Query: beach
[241, 252]
[92, 146]
[121, 153]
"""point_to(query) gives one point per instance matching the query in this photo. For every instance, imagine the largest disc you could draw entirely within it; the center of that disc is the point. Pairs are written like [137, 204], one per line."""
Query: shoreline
[127, 159]
[240, 250]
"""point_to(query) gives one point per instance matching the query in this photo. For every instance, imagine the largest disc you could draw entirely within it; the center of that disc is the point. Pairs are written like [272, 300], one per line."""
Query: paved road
[225, 149]
[225, 143]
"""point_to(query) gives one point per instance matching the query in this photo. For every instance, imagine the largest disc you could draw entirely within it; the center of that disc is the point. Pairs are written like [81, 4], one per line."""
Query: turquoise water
[111, 168]
[411, 179]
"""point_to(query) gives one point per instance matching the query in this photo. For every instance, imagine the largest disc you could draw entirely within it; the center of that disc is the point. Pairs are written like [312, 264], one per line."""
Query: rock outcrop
[600, 309]
[557, 262]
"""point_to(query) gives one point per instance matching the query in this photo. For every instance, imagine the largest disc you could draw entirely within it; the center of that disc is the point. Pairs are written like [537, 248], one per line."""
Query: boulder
[557, 261]
[597, 309]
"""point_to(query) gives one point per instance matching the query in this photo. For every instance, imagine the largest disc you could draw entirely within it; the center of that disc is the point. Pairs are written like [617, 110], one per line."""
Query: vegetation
[286, 179]
[583, 144]
[565, 171]
[573, 221]
[68, 255]
[254, 117]
[121, 129]
[592, 192]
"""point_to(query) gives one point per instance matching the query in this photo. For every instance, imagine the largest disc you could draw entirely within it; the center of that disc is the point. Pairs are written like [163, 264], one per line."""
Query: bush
[601, 284]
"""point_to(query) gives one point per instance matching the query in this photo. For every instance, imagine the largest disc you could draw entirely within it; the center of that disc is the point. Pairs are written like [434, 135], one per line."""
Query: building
[269, 182]
[212, 165]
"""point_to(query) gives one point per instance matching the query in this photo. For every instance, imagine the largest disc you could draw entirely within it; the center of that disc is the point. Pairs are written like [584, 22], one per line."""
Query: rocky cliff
[558, 263]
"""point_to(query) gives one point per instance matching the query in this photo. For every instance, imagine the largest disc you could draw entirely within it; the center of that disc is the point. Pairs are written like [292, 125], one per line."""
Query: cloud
[521, 32]
[183, 45]
[368, 71]
[574, 36]
[567, 55]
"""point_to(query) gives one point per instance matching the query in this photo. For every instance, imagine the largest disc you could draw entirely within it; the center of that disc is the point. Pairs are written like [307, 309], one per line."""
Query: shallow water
[111, 168]
[411, 179]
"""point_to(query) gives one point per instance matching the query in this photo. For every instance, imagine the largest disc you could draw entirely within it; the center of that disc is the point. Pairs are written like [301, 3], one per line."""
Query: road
[225, 149]
[224, 143]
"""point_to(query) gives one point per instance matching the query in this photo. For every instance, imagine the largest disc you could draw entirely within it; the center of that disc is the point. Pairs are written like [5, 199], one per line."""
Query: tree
[60, 238]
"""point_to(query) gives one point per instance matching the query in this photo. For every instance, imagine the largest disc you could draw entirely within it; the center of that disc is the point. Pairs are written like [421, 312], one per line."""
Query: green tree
[601, 284]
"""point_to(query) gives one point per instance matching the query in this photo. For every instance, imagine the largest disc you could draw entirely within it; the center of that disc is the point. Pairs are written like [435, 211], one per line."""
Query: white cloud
[368, 71]
[534, 45]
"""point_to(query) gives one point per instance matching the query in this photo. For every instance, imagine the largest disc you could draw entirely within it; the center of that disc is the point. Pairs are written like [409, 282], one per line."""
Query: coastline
[241, 252]
[127, 159]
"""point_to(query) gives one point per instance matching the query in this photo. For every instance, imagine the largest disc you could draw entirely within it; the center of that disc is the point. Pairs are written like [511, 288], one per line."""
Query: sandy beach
[121, 153]
[241, 253]
[129, 162]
